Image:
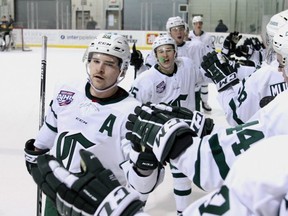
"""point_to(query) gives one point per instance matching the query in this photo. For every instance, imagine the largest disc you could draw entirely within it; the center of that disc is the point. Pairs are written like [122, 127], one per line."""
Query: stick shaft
[42, 108]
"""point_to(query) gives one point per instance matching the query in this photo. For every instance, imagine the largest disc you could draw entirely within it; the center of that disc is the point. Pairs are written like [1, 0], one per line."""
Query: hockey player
[5, 30]
[241, 101]
[170, 80]
[252, 187]
[197, 33]
[195, 50]
[92, 116]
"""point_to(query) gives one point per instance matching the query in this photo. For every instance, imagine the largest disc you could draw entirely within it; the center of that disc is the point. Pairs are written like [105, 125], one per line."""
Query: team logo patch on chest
[65, 97]
[161, 87]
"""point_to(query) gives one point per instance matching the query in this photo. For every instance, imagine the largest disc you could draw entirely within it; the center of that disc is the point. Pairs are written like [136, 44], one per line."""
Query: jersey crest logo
[65, 97]
[161, 87]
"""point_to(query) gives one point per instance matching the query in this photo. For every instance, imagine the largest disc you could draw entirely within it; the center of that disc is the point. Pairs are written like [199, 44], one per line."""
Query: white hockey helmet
[173, 22]
[275, 23]
[110, 44]
[280, 43]
[163, 40]
[196, 19]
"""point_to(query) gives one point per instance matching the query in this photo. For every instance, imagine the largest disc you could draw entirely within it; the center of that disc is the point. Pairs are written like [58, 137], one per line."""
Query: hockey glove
[95, 192]
[244, 51]
[167, 137]
[143, 158]
[196, 120]
[218, 69]
[136, 58]
[229, 44]
[255, 43]
[31, 155]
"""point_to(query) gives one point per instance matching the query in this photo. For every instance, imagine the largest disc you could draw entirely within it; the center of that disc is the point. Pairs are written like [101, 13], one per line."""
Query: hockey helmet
[196, 19]
[275, 23]
[110, 44]
[173, 22]
[280, 43]
[164, 40]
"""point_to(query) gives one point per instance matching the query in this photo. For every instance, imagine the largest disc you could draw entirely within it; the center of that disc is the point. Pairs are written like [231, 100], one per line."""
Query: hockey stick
[42, 109]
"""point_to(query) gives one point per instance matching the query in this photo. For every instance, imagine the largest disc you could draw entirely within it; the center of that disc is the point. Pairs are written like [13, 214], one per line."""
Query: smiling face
[104, 71]
[165, 55]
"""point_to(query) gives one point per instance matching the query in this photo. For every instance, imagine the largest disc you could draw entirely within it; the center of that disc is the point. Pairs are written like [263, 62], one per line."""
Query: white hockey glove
[197, 121]
[31, 155]
[167, 137]
[218, 68]
[95, 192]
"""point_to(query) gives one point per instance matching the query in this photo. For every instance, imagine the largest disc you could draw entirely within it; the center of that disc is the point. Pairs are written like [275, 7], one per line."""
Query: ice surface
[19, 121]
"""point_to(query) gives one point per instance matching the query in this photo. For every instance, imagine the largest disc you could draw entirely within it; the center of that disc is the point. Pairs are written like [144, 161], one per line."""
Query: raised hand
[159, 132]
[217, 68]
[230, 42]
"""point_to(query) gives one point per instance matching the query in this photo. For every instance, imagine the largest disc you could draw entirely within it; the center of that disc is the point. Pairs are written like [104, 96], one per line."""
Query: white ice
[19, 121]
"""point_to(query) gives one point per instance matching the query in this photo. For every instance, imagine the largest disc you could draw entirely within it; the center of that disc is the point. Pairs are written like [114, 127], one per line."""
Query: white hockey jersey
[256, 185]
[208, 160]
[241, 101]
[76, 120]
[176, 89]
[205, 38]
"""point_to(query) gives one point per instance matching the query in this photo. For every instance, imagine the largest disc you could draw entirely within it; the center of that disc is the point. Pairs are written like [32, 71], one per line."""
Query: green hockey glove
[94, 192]
[167, 137]
[217, 67]
[197, 121]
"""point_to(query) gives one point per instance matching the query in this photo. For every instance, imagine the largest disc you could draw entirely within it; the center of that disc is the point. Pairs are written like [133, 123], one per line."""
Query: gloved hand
[196, 120]
[255, 43]
[229, 44]
[136, 58]
[95, 192]
[143, 158]
[31, 155]
[217, 67]
[167, 137]
[244, 51]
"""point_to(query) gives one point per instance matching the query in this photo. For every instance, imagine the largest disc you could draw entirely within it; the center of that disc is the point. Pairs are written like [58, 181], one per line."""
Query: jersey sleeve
[142, 88]
[208, 160]
[252, 187]
[241, 101]
[48, 132]
[150, 59]
[143, 185]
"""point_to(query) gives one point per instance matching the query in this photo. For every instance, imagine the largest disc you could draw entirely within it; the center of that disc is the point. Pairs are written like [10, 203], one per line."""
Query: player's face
[104, 70]
[166, 58]
[197, 27]
[282, 67]
[178, 34]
